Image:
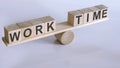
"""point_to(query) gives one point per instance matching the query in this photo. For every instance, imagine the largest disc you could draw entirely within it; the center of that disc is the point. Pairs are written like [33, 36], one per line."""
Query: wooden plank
[60, 27]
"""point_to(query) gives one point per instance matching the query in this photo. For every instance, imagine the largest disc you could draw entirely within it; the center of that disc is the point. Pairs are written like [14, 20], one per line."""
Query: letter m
[96, 15]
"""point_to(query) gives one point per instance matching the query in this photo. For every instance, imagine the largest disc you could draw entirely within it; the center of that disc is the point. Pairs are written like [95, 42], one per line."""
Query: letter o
[27, 32]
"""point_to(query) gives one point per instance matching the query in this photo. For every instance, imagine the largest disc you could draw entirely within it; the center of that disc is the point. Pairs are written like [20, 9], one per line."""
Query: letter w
[14, 36]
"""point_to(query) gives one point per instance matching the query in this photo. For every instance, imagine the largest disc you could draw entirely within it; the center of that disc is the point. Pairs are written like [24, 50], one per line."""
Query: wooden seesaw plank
[60, 27]
[46, 26]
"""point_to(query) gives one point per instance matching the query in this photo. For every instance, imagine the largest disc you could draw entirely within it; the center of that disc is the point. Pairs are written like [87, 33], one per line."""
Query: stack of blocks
[28, 29]
[87, 15]
[45, 25]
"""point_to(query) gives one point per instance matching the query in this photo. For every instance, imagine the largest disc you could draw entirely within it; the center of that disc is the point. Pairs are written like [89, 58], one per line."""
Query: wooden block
[104, 11]
[96, 15]
[12, 33]
[38, 27]
[50, 24]
[75, 18]
[87, 15]
[26, 30]
[65, 37]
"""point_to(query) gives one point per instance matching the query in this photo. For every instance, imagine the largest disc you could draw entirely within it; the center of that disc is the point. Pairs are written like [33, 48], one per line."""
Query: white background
[95, 46]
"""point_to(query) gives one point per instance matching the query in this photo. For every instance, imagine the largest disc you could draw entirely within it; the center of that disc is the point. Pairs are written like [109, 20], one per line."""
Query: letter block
[26, 30]
[104, 11]
[96, 14]
[12, 33]
[38, 26]
[50, 24]
[75, 18]
[87, 15]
